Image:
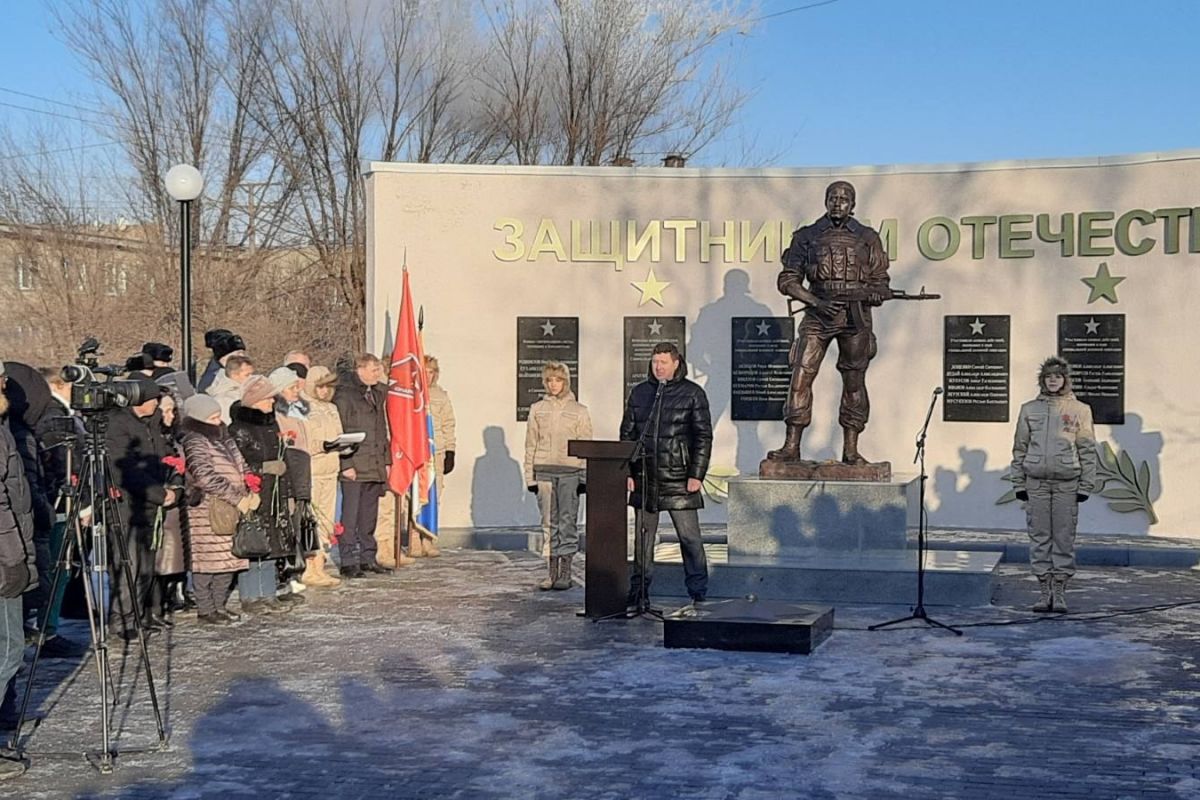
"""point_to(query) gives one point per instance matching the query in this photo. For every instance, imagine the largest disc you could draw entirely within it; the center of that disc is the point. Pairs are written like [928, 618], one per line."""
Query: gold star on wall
[651, 289]
[1102, 285]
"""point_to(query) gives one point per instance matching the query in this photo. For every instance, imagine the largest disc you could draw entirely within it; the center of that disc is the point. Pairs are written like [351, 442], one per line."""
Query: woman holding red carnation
[268, 452]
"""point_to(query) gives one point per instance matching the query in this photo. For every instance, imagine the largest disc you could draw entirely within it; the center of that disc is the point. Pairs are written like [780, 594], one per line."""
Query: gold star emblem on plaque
[651, 289]
[1103, 284]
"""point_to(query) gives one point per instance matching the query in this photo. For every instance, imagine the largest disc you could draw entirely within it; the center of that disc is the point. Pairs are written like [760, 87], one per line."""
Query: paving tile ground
[456, 680]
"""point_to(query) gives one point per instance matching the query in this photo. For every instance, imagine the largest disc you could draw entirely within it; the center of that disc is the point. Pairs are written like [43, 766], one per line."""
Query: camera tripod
[96, 491]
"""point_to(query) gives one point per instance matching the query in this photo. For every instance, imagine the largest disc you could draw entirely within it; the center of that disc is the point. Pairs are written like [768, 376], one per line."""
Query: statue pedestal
[804, 519]
[880, 472]
[831, 542]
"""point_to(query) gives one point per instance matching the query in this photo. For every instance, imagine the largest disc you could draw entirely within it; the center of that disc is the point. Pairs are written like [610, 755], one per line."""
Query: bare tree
[282, 103]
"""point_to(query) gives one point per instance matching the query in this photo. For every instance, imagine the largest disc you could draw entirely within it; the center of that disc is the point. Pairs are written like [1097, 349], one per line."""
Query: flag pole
[414, 489]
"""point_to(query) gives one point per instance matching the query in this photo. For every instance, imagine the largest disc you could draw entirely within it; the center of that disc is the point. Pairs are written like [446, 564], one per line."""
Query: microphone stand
[642, 553]
[919, 612]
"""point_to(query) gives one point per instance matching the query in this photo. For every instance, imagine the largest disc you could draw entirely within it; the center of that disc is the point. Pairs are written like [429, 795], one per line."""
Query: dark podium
[607, 567]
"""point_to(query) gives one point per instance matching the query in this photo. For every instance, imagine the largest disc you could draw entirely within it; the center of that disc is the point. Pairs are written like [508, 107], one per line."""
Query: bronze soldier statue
[846, 270]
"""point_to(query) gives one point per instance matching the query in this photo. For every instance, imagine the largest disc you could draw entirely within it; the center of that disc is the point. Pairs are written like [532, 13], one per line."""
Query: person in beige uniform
[442, 411]
[1053, 471]
[557, 478]
[322, 425]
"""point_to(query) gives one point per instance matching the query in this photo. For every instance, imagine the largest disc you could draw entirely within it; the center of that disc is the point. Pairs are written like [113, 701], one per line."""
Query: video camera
[89, 394]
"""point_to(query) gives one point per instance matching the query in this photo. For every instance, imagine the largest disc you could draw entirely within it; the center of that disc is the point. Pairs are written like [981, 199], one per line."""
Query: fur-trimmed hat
[223, 342]
[320, 376]
[137, 362]
[1054, 365]
[158, 351]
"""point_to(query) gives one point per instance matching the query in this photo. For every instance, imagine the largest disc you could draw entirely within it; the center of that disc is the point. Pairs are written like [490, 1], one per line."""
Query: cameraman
[58, 430]
[136, 448]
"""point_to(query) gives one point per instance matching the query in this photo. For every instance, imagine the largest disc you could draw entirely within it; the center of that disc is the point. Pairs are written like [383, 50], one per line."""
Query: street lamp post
[184, 183]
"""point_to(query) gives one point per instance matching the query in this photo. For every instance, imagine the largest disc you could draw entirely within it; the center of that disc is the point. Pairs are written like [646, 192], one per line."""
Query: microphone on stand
[928, 416]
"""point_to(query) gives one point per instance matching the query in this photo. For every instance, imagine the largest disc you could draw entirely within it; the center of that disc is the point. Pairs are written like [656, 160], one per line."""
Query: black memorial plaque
[542, 339]
[975, 368]
[1094, 345]
[641, 334]
[761, 374]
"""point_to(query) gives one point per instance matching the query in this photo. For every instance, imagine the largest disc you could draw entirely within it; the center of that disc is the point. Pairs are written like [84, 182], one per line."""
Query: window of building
[115, 280]
[26, 274]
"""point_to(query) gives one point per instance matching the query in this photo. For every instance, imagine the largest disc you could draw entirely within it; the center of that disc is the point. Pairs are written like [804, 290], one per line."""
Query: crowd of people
[244, 481]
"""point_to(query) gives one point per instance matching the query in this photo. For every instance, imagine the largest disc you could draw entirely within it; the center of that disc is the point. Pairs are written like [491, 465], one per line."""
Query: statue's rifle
[857, 297]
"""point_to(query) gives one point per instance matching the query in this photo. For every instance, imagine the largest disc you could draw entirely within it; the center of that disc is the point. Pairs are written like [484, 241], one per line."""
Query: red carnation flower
[253, 482]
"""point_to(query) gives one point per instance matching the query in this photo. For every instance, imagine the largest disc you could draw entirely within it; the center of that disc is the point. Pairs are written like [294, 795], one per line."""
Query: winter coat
[171, 556]
[260, 440]
[18, 567]
[324, 425]
[211, 370]
[363, 409]
[1054, 441]
[54, 431]
[136, 448]
[293, 422]
[553, 421]
[226, 391]
[442, 412]
[29, 397]
[678, 441]
[215, 468]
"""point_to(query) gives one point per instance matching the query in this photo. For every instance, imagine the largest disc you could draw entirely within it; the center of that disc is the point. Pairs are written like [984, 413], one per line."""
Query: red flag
[407, 400]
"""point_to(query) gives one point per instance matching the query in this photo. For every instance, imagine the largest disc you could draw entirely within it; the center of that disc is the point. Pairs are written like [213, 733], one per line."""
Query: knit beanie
[282, 378]
[200, 407]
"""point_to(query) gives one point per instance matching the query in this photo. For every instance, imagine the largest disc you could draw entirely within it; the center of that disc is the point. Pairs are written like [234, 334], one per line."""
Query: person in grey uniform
[554, 476]
[1053, 471]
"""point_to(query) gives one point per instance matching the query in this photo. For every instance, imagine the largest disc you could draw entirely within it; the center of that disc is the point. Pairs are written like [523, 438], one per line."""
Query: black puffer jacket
[18, 568]
[678, 441]
[363, 408]
[259, 440]
[136, 448]
[28, 397]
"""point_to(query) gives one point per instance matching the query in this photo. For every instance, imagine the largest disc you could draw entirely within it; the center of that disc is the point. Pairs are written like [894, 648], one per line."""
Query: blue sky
[917, 81]
[882, 81]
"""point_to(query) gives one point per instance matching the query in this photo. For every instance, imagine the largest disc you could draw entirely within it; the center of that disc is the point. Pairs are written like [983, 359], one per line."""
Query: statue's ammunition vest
[837, 261]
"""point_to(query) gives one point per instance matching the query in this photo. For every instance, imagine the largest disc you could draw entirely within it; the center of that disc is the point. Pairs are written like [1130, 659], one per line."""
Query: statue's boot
[850, 454]
[791, 445]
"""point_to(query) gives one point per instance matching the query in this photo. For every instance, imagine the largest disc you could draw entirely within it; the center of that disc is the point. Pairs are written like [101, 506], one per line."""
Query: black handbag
[251, 539]
[307, 540]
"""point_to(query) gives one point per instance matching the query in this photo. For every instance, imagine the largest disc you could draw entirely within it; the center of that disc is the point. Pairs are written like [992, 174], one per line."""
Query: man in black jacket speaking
[669, 415]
